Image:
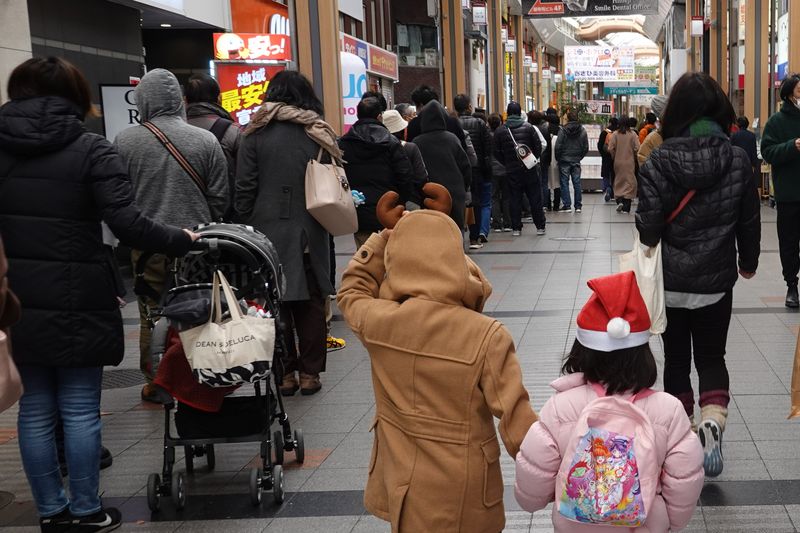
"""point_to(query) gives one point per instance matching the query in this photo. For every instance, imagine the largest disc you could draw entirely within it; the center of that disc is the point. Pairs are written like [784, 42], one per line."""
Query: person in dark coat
[521, 180]
[422, 96]
[375, 163]
[61, 271]
[607, 168]
[746, 140]
[481, 139]
[444, 158]
[501, 193]
[283, 136]
[714, 239]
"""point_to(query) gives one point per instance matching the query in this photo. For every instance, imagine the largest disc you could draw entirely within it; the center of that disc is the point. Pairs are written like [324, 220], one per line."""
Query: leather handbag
[10, 382]
[328, 197]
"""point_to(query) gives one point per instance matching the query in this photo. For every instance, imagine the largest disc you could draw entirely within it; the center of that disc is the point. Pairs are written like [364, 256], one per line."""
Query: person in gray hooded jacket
[571, 147]
[165, 191]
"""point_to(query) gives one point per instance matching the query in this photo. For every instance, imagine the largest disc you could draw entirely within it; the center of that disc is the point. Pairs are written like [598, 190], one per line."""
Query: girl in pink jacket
[608, 450]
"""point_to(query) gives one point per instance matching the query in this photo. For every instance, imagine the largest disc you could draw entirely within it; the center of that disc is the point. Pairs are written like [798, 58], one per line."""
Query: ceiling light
[166, 25]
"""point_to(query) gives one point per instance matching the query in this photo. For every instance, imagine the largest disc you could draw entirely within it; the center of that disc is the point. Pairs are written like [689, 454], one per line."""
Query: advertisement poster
[599, 107]
[354, 84]
[243, 86]
[783, 47]
[238, 46]
[376, 60]
[588, 8]
[599, 63]
[119, 109]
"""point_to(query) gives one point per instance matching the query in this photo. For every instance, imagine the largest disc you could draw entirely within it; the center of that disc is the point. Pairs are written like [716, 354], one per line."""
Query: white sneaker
[516, 233]
[540, 231]
[711, 438]
[475, 246]
[577, 209]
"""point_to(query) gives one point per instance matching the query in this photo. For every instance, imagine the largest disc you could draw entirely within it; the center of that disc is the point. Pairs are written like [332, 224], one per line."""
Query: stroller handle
[203, 244]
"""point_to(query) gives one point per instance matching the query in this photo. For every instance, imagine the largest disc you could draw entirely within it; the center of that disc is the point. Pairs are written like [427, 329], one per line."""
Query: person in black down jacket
[71, 325]
[746, 140]
[607, 168]
[482, 172]
[375, 163]
[699, 247]
[444, 158]
[521, 180]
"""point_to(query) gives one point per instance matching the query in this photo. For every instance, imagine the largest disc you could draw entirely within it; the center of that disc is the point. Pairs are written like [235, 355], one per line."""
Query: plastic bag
[645, 262]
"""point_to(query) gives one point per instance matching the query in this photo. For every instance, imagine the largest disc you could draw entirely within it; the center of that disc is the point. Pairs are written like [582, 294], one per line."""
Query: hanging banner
[586, 8]
[479, 14]
[511, 46]
[783, 48]
[629, 90]
[599, 107]
[599, 63]
[242, 87]
[376, 60]
[237, 46]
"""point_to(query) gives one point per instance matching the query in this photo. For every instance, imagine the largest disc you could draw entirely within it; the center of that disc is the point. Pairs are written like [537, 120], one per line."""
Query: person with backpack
[607, 449]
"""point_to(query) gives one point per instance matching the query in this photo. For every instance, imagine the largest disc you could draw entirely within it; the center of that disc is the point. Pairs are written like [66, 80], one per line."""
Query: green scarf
[705, 127]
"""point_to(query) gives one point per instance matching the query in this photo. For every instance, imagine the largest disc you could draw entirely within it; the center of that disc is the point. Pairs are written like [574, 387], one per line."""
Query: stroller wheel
[277, 484]
[211, 459]
[277, 442]
[188, 453]
[299, 446]
[153, 484]
[255, 487]
[178, 492]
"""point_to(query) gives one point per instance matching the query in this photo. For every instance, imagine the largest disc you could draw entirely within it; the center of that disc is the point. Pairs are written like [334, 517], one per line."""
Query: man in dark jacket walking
[203, 110]
[516, 133]
[482, 172]
[746, 140]
[375, 163]
[572, 145]
[422, 96]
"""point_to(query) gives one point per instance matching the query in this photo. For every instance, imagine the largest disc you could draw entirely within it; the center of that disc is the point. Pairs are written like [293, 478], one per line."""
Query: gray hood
[159, 95]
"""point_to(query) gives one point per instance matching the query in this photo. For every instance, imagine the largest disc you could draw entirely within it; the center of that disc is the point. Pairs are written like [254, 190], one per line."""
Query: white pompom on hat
[615, 317]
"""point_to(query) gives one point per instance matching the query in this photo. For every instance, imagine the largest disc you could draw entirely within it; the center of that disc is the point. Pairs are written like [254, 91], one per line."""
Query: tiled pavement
[539, 284]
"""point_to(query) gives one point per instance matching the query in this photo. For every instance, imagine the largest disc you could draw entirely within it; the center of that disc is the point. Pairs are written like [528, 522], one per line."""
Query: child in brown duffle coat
[441, 371]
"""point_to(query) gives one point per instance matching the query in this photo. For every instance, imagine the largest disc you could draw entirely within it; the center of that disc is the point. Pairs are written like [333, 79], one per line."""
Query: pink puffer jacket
[677, 448]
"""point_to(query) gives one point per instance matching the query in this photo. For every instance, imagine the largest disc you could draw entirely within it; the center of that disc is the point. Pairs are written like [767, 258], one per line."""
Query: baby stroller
[249, 261]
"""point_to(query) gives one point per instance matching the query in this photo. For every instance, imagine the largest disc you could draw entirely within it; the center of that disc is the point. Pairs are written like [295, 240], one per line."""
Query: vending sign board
[587, 8]
[239, 46]
[599, 63]
[243, 86]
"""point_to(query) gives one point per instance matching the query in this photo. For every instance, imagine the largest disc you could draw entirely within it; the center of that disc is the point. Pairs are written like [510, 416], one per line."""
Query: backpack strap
[220, 127]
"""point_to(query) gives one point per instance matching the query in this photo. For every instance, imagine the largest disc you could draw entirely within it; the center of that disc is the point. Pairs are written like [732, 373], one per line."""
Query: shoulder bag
[645, 262]
[524, 153]
[328, 197]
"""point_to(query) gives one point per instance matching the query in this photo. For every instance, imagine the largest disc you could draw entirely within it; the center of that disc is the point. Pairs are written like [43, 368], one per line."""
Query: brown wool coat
[623, 147]
[441, 371]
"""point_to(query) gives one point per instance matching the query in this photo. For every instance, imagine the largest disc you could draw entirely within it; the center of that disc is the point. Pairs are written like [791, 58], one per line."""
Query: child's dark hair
[628, 370]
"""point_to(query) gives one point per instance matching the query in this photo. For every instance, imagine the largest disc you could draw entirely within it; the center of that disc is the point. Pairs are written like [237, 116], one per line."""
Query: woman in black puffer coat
[699, 248]
[57, 183]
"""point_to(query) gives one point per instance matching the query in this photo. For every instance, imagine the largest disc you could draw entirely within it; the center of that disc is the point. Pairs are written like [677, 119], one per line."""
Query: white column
[15, 39]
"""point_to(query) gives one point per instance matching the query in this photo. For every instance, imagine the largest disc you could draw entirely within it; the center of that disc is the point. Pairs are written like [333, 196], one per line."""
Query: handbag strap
[182, 161]
[221, 282]
[686, 200]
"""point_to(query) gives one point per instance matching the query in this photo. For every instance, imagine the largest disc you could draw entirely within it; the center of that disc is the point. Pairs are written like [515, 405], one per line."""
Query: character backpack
[610, 470]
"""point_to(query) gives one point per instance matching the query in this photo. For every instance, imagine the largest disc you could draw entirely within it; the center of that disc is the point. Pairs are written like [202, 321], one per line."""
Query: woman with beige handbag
[10, 382]
[282, 138]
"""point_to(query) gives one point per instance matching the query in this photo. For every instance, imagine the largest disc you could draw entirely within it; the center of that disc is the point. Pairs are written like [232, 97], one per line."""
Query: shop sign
[504, 34]
[479, 14]
[629, 90]
[511, 45]
[528, 61]
[599, 63]
[376, 60]
[237, 46]
[354, 84]
[534, 67]
[547, 74]
[557, 77]
[119, 109]
[647, 74]
[588, 8]
[599, 107]
[242, 87]
[357, 47]
[742, 18]
[783, 47]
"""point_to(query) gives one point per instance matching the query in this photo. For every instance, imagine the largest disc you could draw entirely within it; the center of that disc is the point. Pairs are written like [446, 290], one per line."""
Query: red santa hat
[615, 317]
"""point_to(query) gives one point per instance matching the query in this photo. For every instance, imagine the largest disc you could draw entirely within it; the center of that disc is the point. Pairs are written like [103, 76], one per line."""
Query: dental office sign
[599, 63]
[588, 8]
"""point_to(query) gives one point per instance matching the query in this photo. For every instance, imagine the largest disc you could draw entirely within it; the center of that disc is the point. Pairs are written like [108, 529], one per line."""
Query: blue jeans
[74, 394]
[486, 207]
[570, 171]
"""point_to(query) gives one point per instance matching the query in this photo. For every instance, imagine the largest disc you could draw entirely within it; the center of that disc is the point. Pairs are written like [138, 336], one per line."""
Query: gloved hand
[468, 201]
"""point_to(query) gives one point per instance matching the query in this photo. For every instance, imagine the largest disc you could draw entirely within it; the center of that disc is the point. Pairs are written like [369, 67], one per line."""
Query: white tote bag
[328, 197]
[224, 354]
[645, 262]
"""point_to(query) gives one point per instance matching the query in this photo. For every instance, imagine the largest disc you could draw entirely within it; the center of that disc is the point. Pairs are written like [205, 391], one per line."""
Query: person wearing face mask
[780, 147]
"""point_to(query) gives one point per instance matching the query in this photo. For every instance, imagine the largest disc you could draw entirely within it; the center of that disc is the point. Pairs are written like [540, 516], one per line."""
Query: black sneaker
[107, 519]
[792, 299]
[60, 523]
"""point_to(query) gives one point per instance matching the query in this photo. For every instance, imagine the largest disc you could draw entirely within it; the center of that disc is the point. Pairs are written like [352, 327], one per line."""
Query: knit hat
[394, 121]
[513, 109]
[615, 317]
[658, 104]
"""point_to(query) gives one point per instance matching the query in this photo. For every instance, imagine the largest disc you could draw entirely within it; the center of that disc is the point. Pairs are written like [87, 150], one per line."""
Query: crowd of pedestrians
[188, 163]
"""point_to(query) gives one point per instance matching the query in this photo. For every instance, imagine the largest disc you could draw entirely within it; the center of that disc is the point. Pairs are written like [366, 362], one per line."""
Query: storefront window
[417, 45]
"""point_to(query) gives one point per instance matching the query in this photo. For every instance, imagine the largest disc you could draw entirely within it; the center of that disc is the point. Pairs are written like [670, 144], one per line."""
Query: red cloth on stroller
[175, 376]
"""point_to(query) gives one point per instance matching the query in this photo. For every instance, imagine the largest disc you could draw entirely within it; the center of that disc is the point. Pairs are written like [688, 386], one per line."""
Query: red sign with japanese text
[237, 46]
[382, 62]
[243, 86]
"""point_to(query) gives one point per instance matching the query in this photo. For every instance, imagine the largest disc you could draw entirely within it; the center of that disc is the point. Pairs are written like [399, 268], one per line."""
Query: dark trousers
[625, 203]
[501, 214]
[703, 331]
[529, 185]
[476, 188]
[307, 317]
[789, 239]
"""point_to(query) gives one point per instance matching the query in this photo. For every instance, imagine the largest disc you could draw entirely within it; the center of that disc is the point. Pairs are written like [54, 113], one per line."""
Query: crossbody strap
[511, 133]
[686, 200]
[182, 161]
[220, 127]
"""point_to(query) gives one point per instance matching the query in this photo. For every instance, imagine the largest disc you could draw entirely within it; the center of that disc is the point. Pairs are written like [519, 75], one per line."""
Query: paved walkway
[539, 285]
